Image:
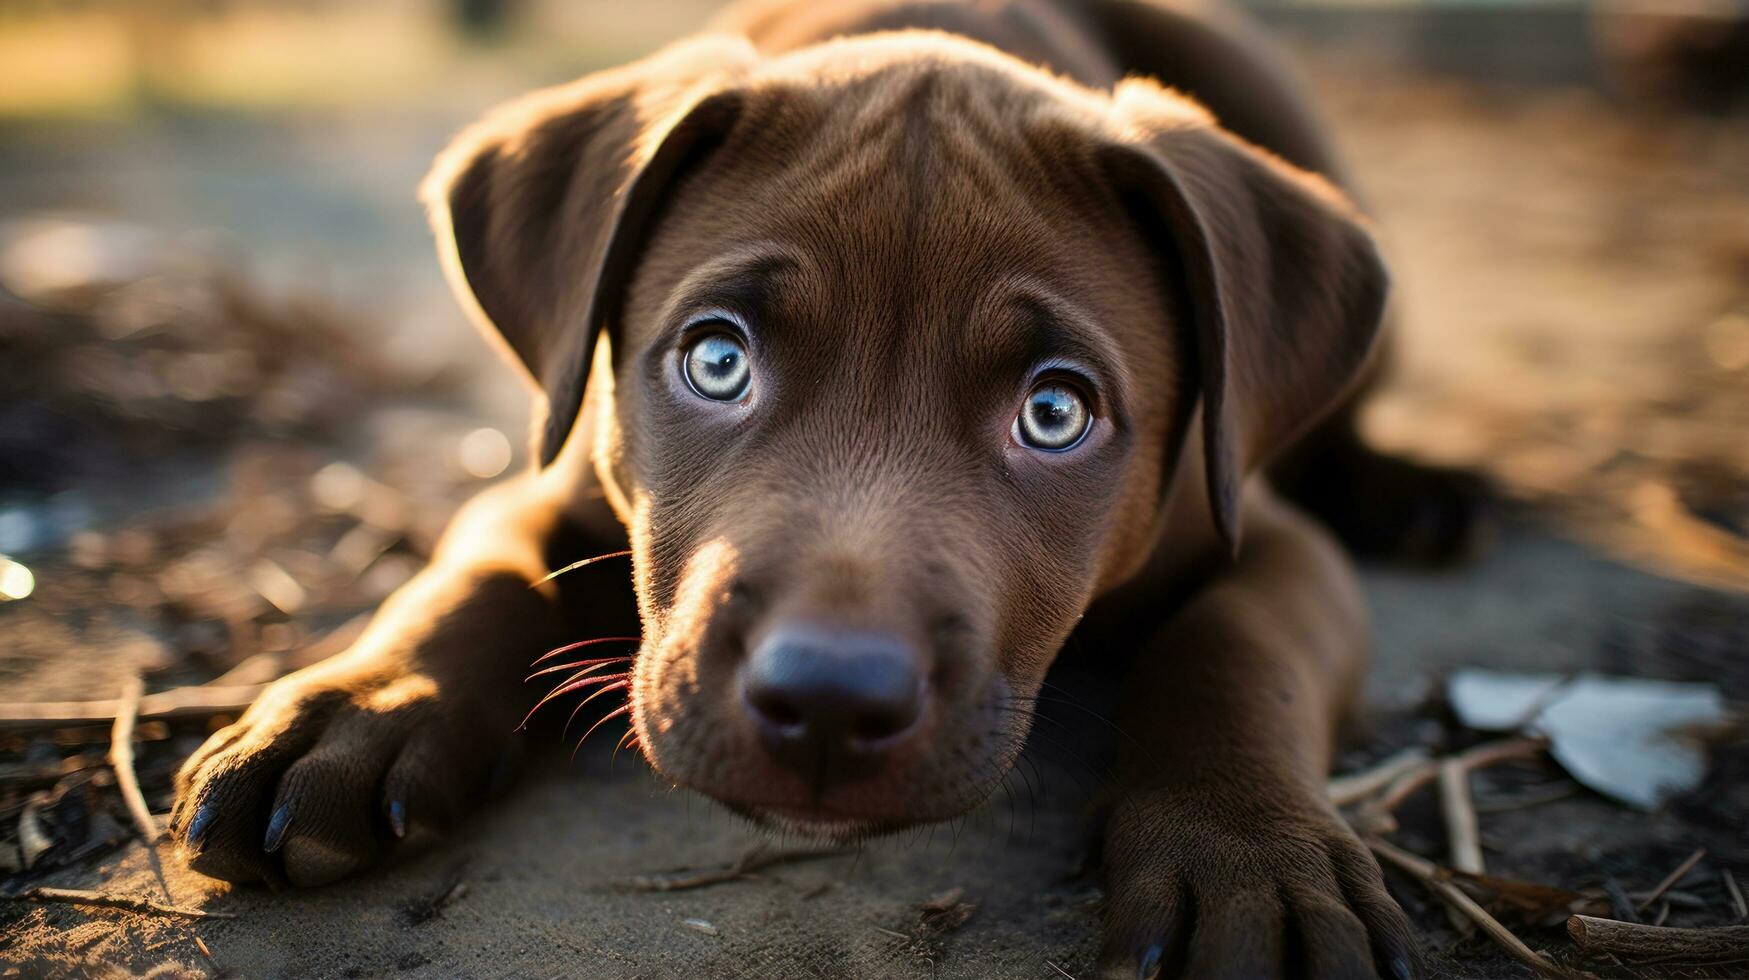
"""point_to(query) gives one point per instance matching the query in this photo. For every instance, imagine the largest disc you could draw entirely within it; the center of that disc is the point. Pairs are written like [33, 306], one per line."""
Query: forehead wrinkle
[1082, 327]
[991, 143]
[799, 138]
[737, 282]
[895, 135]
[998, 135]
[1050, 323]
[942, 216]
[838, 138]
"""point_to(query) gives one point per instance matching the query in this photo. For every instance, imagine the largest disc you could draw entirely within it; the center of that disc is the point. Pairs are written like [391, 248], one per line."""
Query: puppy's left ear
[541, 207]
[1285, 285]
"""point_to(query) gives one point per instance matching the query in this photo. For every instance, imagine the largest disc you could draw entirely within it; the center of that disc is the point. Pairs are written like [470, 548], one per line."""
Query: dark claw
[277, 826]
[398, 818]
[202, 822]
[1149, 968]
[1398, 957]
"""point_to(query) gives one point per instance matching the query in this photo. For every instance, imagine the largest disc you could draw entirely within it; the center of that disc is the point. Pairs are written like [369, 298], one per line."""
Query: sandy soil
[1576, 308]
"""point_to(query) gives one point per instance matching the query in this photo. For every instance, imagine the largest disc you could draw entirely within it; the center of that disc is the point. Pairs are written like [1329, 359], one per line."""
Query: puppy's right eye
[716, 367]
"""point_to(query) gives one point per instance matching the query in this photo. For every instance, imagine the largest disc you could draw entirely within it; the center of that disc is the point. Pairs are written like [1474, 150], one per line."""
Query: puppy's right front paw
[332, 767]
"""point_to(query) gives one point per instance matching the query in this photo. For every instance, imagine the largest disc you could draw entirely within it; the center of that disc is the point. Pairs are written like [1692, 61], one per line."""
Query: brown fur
[910, 224]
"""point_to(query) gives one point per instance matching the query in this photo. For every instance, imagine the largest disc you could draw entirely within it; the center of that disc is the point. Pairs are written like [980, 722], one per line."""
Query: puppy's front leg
[336, 762]
[1223, 857]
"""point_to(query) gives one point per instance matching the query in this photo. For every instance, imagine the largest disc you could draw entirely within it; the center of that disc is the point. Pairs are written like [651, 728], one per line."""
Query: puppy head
[893, 346]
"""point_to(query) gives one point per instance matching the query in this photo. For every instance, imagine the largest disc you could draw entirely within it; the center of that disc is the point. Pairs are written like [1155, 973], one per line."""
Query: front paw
[1253, 887]
[330, 769]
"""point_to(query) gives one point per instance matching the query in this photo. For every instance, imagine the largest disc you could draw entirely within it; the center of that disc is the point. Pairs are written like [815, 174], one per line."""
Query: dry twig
[752, 860]
[896, 934]
[1355, 787]
[181, 702]
[1480, 757]
[1737, 903]
[1463, 837]
[1672, 878]
[1536, 901]
[121, 758]
[1619, 903]
[1636, 941]
[73, 896]
[1438, 882]
[1552, 795]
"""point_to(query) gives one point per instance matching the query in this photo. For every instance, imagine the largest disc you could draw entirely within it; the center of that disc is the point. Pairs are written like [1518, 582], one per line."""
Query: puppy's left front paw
[1253, 888]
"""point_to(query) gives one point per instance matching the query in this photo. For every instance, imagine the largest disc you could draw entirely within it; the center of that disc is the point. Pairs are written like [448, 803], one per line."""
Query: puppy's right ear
[540, 208]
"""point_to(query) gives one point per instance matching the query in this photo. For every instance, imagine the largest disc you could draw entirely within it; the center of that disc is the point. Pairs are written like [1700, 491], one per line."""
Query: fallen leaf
[944, 901]
[1628, 738]
[945, 912]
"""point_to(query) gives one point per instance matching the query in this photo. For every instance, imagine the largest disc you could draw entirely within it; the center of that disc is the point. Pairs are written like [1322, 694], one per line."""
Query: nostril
[883, 723]
[776, 708]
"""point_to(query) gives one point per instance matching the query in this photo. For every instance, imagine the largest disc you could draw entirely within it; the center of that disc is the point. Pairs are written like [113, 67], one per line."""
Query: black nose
[818, 693]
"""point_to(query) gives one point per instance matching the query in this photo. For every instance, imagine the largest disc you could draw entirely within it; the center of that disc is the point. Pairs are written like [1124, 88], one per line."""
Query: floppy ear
[1285, 285]
[540, 208]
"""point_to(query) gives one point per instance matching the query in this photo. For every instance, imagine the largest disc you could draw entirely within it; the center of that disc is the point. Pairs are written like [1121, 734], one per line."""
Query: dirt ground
[1574, 303]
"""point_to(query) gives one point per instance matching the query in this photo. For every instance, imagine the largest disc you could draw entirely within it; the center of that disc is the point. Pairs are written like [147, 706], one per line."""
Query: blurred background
[237, 402]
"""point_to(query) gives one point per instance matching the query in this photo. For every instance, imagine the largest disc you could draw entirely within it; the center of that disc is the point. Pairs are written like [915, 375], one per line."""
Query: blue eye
[716, 367]
[1054, 418]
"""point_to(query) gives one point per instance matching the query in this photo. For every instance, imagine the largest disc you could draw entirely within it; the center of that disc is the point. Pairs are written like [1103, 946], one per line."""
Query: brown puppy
[894, 358]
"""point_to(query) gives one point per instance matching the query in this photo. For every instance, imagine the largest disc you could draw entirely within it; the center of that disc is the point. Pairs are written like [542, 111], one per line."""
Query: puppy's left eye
[1054, 418]
[716, 367]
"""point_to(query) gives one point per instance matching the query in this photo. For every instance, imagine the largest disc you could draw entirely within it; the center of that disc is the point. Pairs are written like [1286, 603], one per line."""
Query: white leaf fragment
[1631, 739]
